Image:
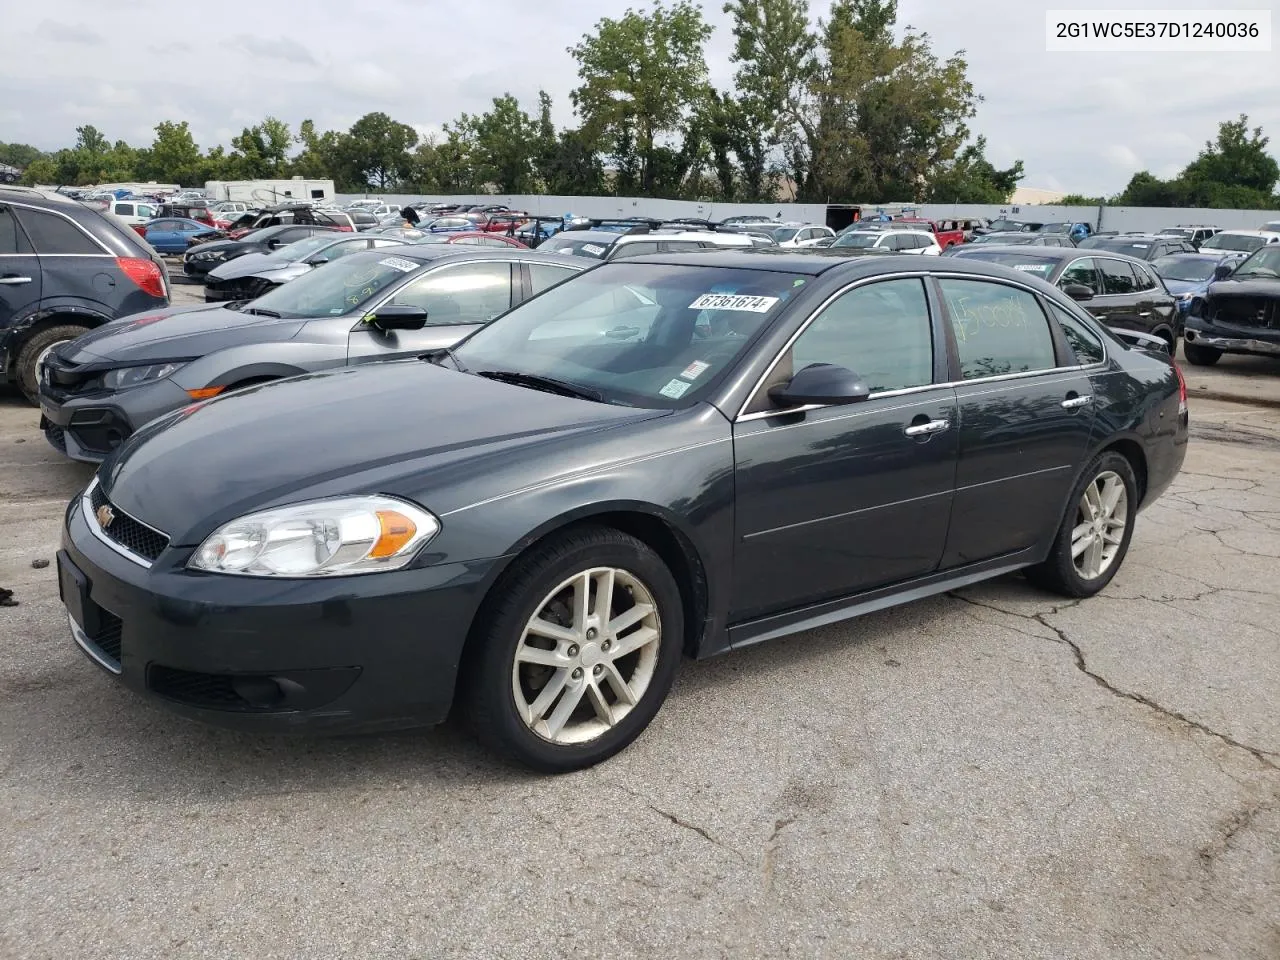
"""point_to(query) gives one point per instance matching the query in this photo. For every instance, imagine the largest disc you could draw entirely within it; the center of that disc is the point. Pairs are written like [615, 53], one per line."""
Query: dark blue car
[174, 234]
[1188, 275]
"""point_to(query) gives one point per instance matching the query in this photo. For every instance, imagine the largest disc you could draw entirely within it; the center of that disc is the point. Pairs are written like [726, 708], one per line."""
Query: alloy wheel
[587, 656]
[1098, 534]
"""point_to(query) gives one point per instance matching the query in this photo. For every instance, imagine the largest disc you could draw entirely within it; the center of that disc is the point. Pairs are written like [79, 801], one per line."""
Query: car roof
[428, 252]
[1049, 253]
[809, 262]
[1251, 233]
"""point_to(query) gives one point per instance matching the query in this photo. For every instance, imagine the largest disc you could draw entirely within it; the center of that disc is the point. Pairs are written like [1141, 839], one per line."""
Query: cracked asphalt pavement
[994, 773]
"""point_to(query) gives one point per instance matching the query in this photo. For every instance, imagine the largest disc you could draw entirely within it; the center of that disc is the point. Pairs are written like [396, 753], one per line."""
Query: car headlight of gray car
[319, 538]
[133, 376]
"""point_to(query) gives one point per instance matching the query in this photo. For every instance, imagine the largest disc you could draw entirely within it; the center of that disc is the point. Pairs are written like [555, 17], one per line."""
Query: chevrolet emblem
[106, 516]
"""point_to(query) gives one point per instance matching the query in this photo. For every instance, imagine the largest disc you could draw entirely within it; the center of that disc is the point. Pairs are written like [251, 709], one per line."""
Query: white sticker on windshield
[696, 369]
[733, 301]
[675, 389]
[1142, 246]
[1032, 267]
[398, 263]
[592, 249]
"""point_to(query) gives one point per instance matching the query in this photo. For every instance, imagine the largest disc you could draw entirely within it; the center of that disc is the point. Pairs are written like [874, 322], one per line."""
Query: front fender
[255, 360]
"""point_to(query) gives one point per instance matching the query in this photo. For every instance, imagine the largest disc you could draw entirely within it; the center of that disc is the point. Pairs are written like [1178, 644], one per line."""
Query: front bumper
[194, 267]
[88, 427]
[235, 288]
[1264, 341]
[333, 655]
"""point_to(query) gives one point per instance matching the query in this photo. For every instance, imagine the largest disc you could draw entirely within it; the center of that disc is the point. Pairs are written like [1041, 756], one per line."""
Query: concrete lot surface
[991, 774]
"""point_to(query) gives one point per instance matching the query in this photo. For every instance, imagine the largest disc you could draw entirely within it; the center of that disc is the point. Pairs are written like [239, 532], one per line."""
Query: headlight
[322, 538]
[1185, 297]
[132, 376]
[208, 255]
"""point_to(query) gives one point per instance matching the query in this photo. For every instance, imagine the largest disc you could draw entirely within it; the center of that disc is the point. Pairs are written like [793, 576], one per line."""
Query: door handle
[1071, 403]
[14, 281]
[924, 429]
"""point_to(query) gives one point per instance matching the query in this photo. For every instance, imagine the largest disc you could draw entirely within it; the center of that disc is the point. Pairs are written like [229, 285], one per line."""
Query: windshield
[1028, 263]
[571, 247]
[856, 240]
[301, 249]
[998, 225]
[342, 286]
[783, 234]
[1233, 241]
[1002, 238]
[1189, 268]
[1056, 228]
[1133, 248]
[648, 335]
[1177, 232]
[1264, 263]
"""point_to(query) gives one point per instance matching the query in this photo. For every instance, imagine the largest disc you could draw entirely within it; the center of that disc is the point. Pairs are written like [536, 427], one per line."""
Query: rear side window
[1146, 280]
[880, 331]
[999, 330]
[11, 238]
[543, 275]
[1117, 277]
[1086, 344]
[638, 249]
[52, 234]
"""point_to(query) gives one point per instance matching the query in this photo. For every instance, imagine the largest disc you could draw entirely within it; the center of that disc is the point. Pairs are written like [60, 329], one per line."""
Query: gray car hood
[174, 333]
[248, 265]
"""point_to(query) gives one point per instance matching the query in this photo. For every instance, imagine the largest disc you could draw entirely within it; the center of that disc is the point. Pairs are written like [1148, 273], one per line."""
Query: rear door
[20, 280]
[1026, 410]
[458, 298]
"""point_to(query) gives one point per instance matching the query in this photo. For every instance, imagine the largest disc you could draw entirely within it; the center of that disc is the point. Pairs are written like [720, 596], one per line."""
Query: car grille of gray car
[131, 535]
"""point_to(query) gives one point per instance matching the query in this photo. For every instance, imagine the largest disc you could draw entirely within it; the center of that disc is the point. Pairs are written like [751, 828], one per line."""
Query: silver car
[257, 273]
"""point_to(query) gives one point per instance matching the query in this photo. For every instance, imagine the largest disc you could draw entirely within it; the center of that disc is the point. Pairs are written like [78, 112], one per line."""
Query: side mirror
[275, 244]
[1078, 291]
[1223, 270]
[820, 383]
[399, 317]
[317, 261]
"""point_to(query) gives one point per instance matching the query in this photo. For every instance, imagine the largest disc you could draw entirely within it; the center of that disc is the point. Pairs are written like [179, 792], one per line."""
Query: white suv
[899, 241]
[134, 212]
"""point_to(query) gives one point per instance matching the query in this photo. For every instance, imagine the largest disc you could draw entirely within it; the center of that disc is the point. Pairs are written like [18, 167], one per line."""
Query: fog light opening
[259, 692]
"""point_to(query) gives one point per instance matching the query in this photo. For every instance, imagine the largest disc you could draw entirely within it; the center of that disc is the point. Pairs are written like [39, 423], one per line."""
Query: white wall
[1113, 218]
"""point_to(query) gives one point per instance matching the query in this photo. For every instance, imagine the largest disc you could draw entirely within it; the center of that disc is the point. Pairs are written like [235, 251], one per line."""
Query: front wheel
[1200, 356]
[1094, 535]
[576, 651]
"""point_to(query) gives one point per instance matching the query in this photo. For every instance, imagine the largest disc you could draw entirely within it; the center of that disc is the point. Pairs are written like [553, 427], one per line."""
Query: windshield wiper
[258, 311]
[547, 384]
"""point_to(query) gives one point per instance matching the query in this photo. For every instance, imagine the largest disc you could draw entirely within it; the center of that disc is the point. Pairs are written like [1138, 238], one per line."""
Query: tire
[1199, 356]
[1061, 572]
[575, 667]
[34, 348]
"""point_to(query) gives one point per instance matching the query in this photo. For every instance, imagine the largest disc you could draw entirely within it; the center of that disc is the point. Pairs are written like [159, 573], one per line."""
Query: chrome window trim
[58, 213]
[91, 522]
[764, 414]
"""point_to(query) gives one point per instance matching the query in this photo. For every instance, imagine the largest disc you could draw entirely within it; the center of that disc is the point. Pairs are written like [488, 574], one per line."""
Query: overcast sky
[1081, 122]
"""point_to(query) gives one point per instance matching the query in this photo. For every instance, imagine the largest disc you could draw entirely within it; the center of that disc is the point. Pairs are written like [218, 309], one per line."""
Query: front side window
[644, 334]
[337, 288]
[999, 329]
[880, 331]
[465, 293]
[1117, 277]
[1086, 344]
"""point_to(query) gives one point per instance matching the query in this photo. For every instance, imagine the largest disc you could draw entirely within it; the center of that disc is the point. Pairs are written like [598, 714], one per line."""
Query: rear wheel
[1094, 535]
[35, 350]
[1200, 356]
[576, 651]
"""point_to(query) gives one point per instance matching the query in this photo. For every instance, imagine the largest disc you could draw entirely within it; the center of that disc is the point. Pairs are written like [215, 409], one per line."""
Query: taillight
[1182, 389]
[144, 273]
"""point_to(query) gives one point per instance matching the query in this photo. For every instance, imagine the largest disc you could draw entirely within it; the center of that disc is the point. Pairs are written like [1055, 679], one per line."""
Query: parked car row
[577, 470]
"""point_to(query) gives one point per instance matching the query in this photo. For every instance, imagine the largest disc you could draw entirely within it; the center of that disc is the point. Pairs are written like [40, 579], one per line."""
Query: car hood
[1177, 287]
[227, 246]
[1260, 287]
[247, 265]
[389, 428]
[173, 333]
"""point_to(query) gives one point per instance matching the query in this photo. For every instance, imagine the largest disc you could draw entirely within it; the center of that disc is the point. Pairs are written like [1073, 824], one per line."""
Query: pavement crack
[1236, 824]
[1265, 757]
[676, 819]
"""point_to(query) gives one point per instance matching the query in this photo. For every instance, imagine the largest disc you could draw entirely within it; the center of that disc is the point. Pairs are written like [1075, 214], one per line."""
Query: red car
[474, 238]
[945, 238]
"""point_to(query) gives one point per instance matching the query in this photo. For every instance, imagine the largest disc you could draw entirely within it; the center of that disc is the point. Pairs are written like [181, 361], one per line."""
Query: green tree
[574, 168]
[174, 156]
[20, 155]
[503, 145]
[1080, 200]
[262, 151]
[773, 50]
[1237, 158]
[971, 178]
[641, 75]
[376, 149]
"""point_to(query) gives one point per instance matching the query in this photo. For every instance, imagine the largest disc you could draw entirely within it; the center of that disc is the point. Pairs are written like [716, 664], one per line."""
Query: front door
[1026, 410]
[19, 272]
[458, 298]
[840, 499]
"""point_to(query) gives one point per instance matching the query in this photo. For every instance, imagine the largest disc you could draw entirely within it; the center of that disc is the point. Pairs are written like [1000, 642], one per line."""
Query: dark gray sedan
[97, 390]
